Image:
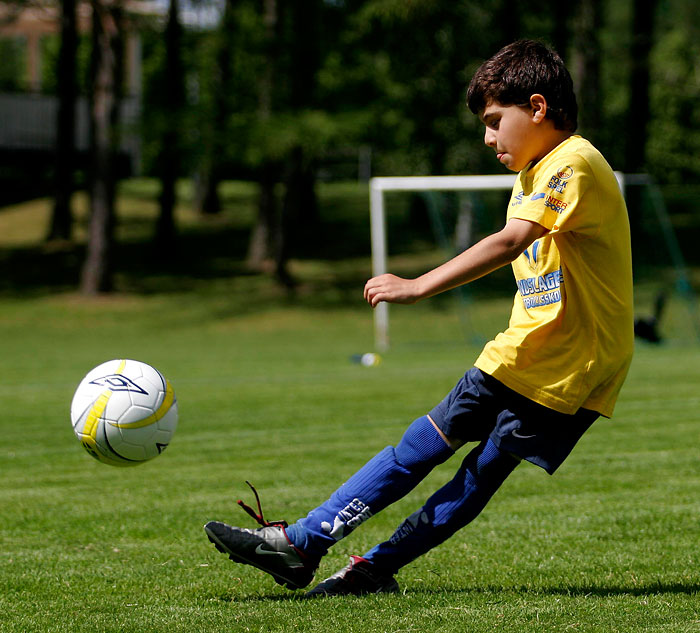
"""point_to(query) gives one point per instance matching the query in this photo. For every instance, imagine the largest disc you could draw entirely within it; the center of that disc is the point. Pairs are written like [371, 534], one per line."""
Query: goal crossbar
[379, 185]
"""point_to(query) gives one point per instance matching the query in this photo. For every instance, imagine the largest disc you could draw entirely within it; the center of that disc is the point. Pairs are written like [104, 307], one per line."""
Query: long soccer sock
[452, 507]
[385, 478]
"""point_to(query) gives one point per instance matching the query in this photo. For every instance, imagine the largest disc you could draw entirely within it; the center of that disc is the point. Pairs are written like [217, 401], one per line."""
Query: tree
[587, 65]
[106, 82]
[61, 219]
[215, 137]
[299, 207]
[673, 147]
[266, 232]
[287, 98]
[173, 103]
[639, 111]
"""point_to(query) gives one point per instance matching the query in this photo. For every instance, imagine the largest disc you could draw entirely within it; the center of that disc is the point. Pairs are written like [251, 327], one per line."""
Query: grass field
[267, 393]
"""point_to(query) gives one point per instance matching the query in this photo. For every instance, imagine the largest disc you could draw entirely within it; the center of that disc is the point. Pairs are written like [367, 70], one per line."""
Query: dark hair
[518, 71]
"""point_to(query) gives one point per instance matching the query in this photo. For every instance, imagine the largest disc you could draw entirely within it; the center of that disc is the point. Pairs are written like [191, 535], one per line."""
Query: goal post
[380, 185]
[377, 187]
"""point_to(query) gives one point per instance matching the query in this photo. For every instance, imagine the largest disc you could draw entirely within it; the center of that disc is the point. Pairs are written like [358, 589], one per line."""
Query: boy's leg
[449, 509]
[452, 507]
[387, 477]
[291, 553]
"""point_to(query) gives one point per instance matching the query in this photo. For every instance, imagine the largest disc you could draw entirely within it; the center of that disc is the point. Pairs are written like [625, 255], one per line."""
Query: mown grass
[267, 393]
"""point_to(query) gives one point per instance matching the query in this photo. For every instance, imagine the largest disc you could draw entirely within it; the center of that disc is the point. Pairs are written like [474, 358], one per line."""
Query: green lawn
[610, 543]
[267, 393]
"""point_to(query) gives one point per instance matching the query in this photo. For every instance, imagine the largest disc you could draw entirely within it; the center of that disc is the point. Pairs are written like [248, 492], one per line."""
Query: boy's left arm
[485, 256]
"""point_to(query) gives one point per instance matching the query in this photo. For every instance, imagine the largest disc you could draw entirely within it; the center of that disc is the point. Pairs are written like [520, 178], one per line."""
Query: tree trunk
[586, 66]
[169, 159]
[639, 110]
[206, 196]
[265, 234]
[207, 200]
[561, 30]
[292, 219]
[106, 91]
[61, 219]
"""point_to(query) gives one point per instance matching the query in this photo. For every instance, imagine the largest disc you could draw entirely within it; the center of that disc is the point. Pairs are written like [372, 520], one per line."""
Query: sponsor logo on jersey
[565, 173]
[537, 196]
[557, 184]
[555, 203]
[517, 199]
[539, 301]
[541, 290]
[531, 254]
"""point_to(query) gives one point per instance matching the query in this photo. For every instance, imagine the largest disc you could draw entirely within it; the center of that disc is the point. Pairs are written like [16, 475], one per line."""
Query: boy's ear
[538, 105]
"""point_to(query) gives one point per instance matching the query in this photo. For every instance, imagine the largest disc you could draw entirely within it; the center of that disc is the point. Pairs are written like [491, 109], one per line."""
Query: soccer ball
[124, 412]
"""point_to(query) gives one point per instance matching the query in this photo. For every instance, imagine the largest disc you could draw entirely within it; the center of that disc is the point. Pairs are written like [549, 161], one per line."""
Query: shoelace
[258, 516]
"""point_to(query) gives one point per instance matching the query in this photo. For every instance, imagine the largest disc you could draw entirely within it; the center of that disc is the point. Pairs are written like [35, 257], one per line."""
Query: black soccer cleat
[356, 579]
[268, 548]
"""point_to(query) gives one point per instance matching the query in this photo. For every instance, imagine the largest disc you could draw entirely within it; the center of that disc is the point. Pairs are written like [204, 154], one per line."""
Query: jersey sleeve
[558, 196]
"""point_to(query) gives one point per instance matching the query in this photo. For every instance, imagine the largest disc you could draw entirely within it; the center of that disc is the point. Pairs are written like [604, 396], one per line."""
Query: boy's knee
[489, 460]
[422, 445]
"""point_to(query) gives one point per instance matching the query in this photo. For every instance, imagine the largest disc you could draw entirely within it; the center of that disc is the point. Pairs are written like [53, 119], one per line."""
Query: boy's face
[514, 132]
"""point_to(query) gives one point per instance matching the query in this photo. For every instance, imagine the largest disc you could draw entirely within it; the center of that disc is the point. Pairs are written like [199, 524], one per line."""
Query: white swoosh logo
[259, 550]
[514, 433]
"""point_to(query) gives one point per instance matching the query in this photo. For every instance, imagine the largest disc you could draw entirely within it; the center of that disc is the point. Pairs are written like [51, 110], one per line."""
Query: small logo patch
[565, 173]
[409, 526]
[266, 552]
[117, 382]
[352, 515]
[555, 204]
[532, 258]
[515, 433]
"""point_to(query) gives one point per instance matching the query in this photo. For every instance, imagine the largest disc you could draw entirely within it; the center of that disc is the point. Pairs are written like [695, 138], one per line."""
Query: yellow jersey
[570, 338]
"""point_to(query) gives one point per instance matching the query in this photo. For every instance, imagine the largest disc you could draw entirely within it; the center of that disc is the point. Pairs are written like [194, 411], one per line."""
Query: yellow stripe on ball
[96, 412]
[156, 415]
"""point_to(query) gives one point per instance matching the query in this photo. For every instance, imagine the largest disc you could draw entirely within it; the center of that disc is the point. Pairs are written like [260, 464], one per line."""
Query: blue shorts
[481, 407]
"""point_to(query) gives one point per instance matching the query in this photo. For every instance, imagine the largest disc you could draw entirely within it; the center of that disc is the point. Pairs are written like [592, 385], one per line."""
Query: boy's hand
[392, 289]
[488, 254]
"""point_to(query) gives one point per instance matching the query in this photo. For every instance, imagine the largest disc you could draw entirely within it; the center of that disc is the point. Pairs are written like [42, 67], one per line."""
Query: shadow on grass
[606, 591]
[600, 591]
[197, 258]
[585, 591]
[207, 261]
[272, 597]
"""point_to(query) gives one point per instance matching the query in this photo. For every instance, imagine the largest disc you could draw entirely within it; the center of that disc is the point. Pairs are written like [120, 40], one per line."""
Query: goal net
[460, 210]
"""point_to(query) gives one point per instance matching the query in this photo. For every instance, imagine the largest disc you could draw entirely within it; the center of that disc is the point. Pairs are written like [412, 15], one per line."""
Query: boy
[538, 386]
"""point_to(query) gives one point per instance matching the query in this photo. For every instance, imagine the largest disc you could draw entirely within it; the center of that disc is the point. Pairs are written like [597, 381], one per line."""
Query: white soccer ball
[124, 412]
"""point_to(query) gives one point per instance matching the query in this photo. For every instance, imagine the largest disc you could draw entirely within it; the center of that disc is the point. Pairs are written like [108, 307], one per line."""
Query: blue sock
[385, 478]
[457, 503]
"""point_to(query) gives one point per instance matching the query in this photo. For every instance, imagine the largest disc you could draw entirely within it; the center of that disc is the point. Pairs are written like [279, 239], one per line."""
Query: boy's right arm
[485, 256]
